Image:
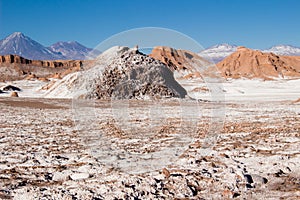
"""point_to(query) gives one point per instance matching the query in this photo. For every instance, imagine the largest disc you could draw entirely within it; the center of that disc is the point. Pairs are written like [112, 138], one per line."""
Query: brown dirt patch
[37, 104]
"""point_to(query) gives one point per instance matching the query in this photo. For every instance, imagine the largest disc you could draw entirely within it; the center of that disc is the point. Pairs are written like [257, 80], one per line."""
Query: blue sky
[251, 23]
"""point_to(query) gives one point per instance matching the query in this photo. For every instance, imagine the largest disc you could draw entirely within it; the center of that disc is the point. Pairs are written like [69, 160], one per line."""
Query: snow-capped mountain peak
[16, 34]
[19, 44]
[218, 52]
[284, 50]
[13, 37]
[71, 50]
[223, 46]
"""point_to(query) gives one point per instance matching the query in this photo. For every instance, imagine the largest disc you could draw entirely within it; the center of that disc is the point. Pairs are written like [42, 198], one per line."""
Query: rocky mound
[121, 73]
[188, 64]
[13, 67]
[256, 64]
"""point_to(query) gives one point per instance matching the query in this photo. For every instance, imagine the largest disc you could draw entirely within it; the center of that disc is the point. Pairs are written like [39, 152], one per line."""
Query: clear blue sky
[251, 23]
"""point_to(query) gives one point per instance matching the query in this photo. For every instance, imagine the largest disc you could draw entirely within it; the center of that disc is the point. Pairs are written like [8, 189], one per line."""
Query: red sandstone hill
[244, 62]
[187, 63]
[250, 63]
[13, 67]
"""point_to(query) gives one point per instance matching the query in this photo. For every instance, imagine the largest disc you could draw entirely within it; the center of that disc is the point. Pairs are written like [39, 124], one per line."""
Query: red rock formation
[244, 62]
[14, 59]
[13, 67]
[189, 63]
[175, 59]
[250, 63]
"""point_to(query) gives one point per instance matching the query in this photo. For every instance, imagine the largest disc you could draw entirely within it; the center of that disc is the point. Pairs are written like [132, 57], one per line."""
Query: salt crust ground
[255, 157]
[234, 89]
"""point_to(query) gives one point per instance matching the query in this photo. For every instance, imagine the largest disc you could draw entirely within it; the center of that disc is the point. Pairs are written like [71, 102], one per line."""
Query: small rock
[61, 157]
[48, 176]
[43, 79]
[14, 94]
[79, 176]
[61, 176]
[227, 194]
[280, 173]
[84, 169]
[166, 172]
[259, 179]
[248, 178]
[235, 195]
[11, 88]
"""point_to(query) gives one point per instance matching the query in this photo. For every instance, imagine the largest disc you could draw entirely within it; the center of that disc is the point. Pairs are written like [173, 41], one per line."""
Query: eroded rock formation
[250, 63]
[13, 67]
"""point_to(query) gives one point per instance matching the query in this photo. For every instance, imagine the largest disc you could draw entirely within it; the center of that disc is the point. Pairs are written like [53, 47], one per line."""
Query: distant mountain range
[218, 52]
[71, 50]
[284, 50]
[19, 44]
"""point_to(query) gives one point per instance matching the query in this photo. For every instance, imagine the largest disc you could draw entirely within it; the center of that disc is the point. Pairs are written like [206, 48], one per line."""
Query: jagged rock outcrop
[15, 59]
[121, 73]
[13, 67]
[250, 63]
[176, 59]
[188, 64]
[171, 57]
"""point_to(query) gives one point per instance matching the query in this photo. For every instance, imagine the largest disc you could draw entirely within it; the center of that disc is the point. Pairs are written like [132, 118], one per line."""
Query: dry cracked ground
[256, 155]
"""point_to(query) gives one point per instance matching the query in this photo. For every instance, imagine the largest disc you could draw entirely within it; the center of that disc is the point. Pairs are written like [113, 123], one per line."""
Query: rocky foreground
[256, 155]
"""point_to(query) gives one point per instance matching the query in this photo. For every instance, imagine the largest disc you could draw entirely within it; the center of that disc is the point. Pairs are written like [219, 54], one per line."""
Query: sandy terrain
[256, 155]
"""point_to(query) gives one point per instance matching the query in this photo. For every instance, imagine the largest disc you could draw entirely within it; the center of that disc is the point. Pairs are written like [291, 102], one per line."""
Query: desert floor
[47, 154]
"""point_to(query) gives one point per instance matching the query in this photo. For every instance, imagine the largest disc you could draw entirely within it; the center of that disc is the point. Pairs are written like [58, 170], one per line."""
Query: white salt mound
[120, 73]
